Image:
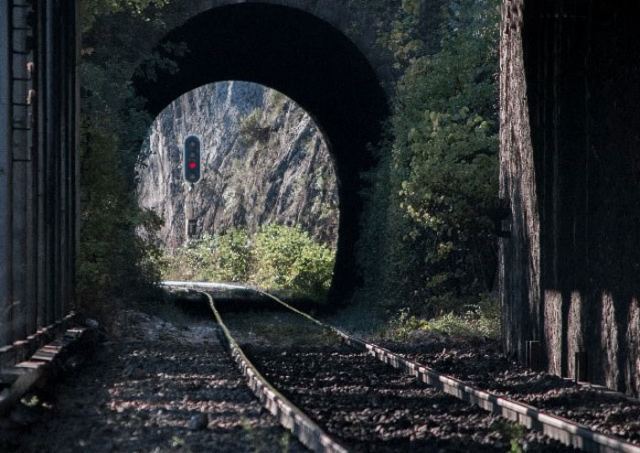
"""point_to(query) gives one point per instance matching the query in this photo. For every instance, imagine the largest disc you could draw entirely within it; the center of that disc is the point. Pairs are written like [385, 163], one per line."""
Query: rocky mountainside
[263, 161]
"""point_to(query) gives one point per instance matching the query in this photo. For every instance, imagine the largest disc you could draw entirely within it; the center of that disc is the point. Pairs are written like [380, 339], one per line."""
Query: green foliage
[91, 10]
[234, 256]
[276, 258]
[117, 255]
[288, 258]
[226, 258]
[514, 431]
[277, 101]
[428, 219]
[111, 256]
[223, 258]
[403, 40]
[478, 321]
[195, 261]
[252, 129]
[445, 148]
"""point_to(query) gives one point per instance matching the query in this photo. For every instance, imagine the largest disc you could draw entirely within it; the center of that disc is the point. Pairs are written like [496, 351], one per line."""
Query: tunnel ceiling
[305, 58]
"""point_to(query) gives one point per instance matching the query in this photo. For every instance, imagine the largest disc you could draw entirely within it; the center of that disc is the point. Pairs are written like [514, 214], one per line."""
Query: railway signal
[192, 159]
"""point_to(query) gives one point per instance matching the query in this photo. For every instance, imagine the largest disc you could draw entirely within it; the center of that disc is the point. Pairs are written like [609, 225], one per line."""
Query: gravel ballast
[363, 403]
[169, 389]
[481, 364]
[372, 407]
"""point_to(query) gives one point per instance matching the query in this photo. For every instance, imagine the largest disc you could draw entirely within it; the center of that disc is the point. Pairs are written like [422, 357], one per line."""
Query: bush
[234, 256]
[445, 150]
[478, 321]
[287, 258]
[117, 254]
[430, 212]
[252, 130]
[223, 258]
[276, 258]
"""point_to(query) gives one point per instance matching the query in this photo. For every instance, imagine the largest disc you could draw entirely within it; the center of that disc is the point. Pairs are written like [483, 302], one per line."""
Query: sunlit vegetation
[280, 258]
[478, 321]
[252, 130]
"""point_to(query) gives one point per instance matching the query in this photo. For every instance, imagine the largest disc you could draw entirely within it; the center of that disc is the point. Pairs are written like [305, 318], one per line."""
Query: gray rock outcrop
[263, 161]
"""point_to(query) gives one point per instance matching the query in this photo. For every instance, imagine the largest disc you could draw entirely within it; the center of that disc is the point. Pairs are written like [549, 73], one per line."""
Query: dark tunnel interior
[303, 57]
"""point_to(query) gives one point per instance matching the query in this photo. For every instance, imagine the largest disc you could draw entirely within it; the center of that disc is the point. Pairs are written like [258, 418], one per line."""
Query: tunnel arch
[305, 58]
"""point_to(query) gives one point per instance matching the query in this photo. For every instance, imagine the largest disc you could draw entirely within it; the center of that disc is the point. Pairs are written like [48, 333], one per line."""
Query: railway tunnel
[307, 59]
[570, 170]
[569, 159]
[297, 48]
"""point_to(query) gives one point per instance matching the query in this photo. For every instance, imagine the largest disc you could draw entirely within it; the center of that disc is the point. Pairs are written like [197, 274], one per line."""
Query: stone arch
[306, 58]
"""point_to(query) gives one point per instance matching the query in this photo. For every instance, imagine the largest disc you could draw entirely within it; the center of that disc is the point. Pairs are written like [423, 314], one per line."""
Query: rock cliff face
[263, 161]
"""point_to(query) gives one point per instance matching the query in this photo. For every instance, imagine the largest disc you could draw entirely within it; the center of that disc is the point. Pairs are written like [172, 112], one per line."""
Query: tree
[117, 249]
[437, 181]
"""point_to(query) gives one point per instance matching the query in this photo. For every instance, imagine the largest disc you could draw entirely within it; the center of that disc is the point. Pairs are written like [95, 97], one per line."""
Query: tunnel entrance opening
[308, 60]
[263, 208]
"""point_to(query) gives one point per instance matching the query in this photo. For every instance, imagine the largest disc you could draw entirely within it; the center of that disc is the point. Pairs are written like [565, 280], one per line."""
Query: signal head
[192, 159]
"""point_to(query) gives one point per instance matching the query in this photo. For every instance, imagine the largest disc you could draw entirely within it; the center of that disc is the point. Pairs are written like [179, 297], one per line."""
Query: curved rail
[561, 429]
[289, 415]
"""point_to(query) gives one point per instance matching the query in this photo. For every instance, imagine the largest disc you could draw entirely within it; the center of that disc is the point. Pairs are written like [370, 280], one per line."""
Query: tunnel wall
[38, 168]
[570, 167]
[355, 19]
[309, 60]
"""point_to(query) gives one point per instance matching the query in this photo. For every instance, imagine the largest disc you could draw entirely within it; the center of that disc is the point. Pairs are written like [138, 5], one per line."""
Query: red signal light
[192, 159]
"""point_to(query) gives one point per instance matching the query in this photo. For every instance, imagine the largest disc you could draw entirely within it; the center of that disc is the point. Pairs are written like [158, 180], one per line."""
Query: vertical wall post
[49, 130]
[75, 187]
[21, 141]
[5, 179]
[40, 172]
[38, 165]
[61, 150]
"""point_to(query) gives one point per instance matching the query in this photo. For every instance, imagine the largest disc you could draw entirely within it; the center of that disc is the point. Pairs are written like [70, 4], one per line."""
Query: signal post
[192, 174]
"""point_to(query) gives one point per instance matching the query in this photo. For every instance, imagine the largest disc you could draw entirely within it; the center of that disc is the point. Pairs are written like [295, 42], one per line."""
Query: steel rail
[289, 416]
[561, 429]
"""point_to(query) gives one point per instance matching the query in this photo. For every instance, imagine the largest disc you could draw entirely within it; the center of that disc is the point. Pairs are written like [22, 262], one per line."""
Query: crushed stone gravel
[481, 363]
[178, 391]
[365, 404]
[372, 407]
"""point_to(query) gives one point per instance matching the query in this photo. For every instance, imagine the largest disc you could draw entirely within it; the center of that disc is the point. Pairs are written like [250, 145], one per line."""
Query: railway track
[340, 394]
